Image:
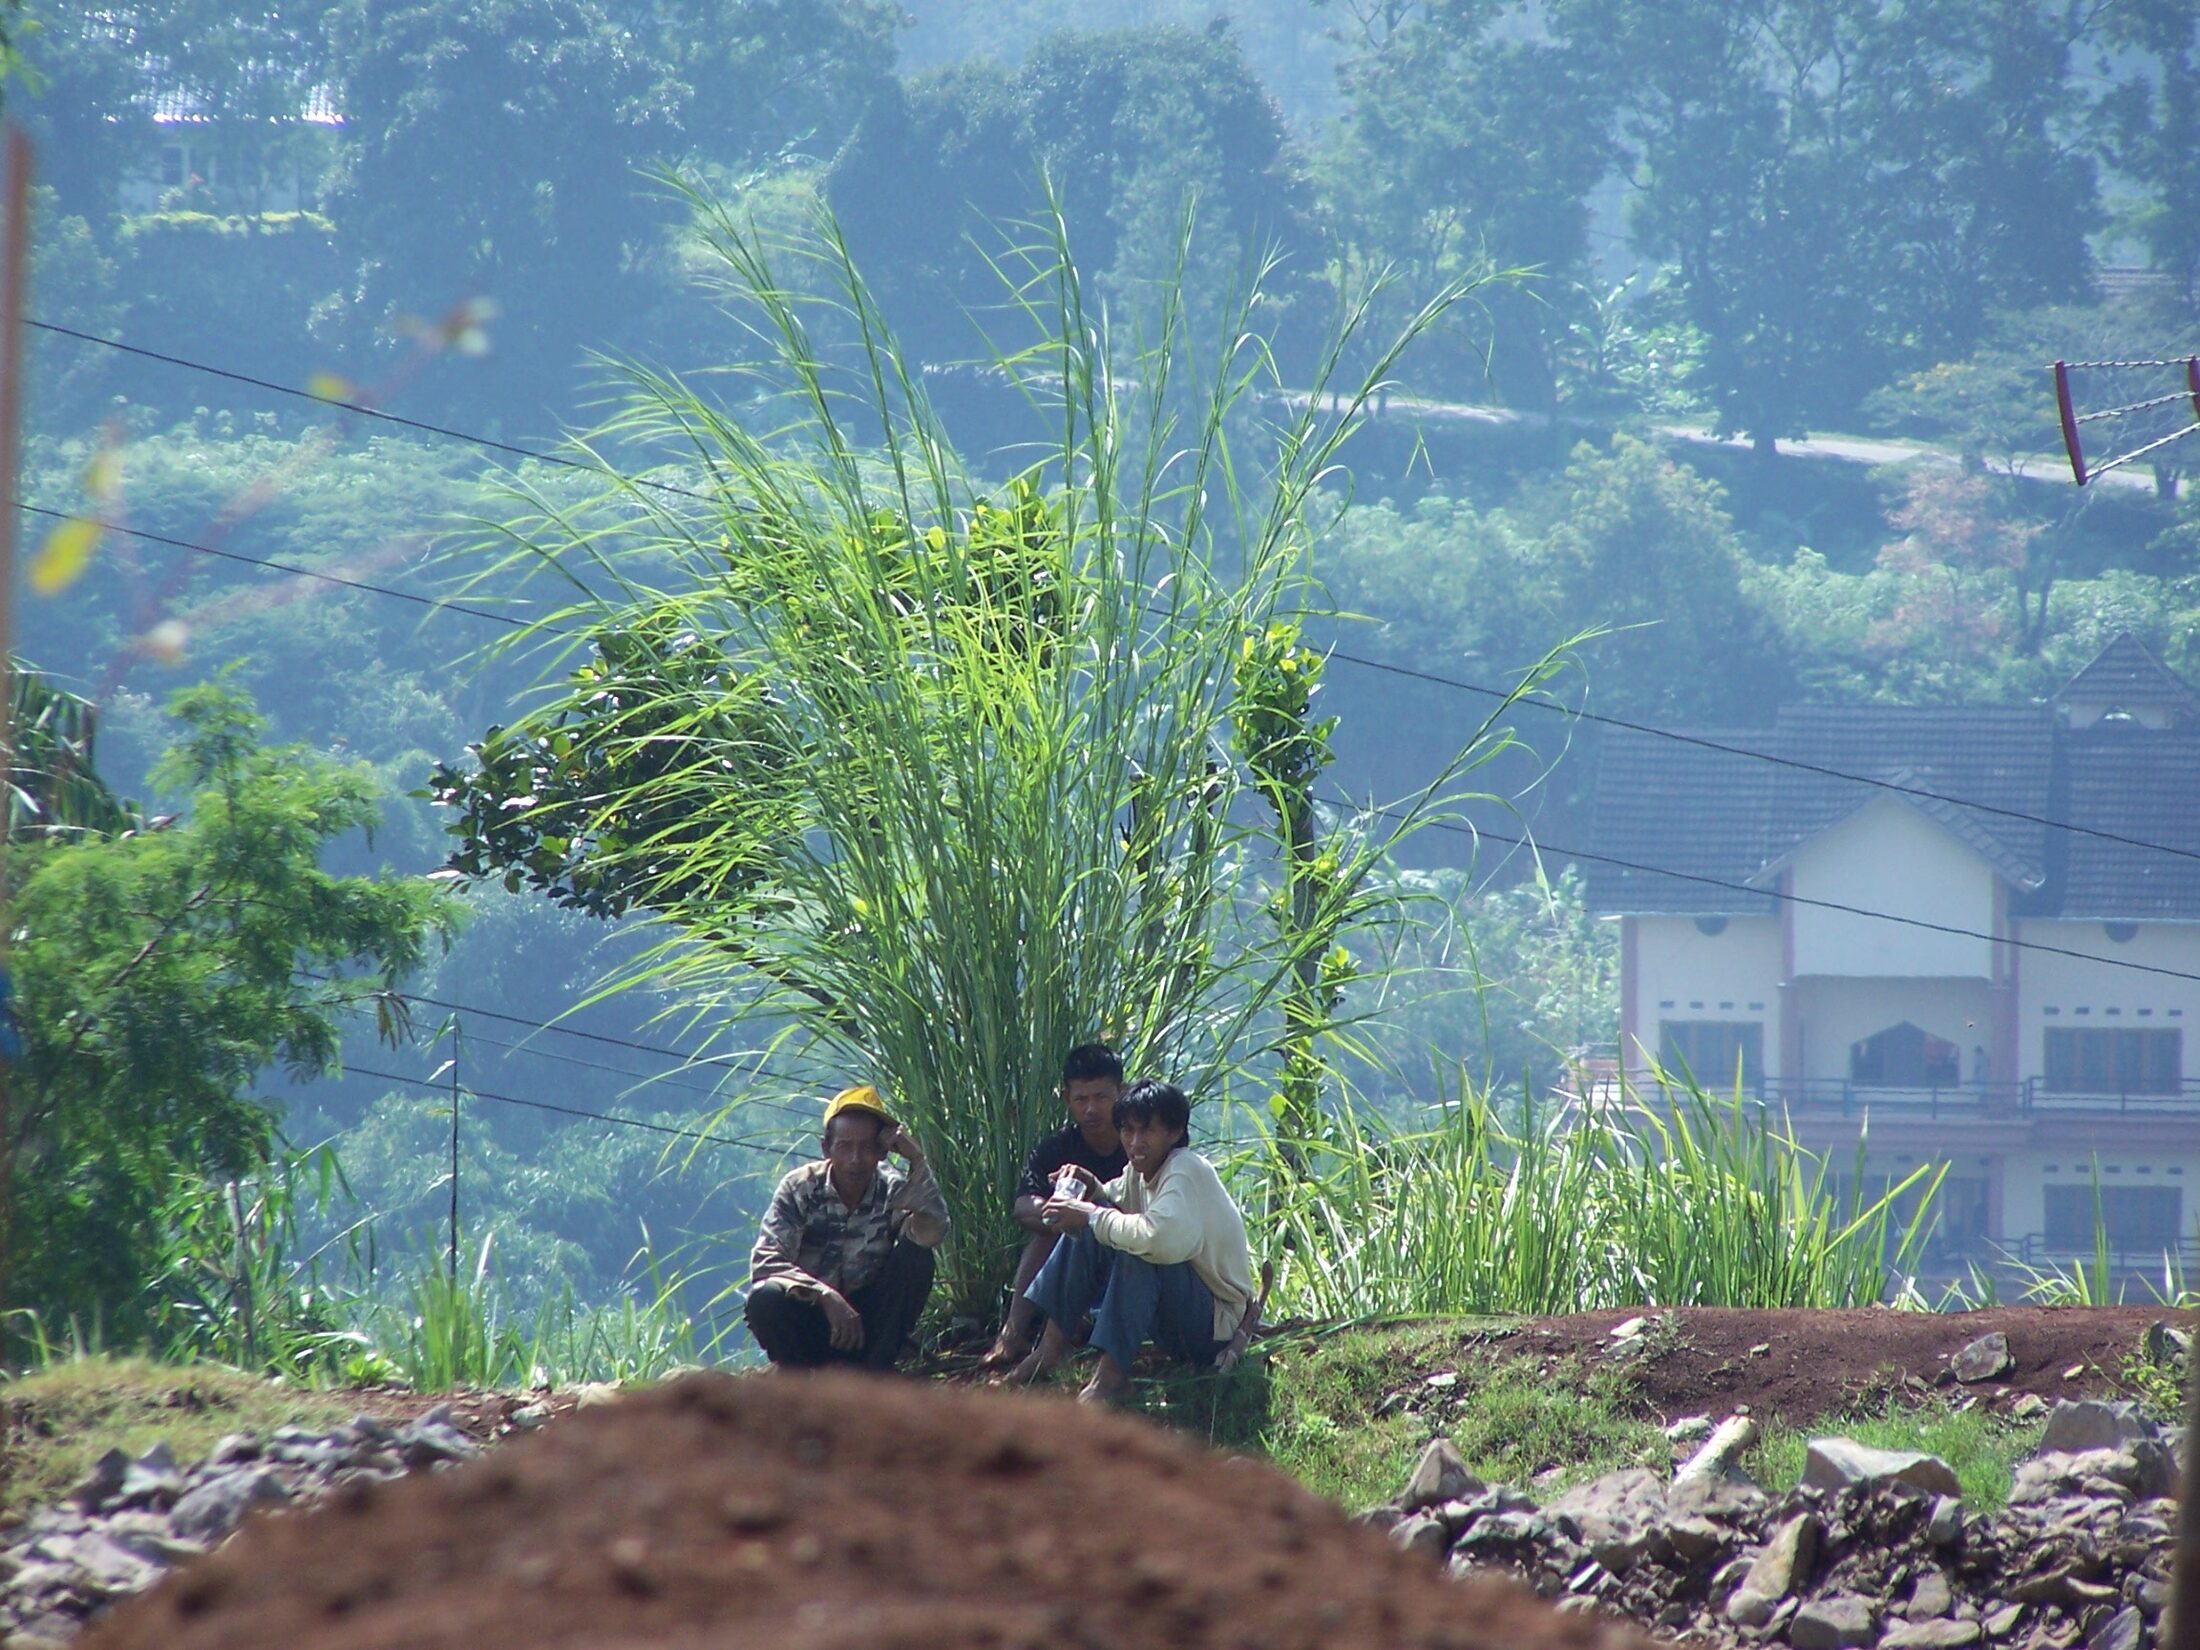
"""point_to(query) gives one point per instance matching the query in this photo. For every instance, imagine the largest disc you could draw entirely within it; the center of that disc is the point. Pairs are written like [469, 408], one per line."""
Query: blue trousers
[1131, 1301]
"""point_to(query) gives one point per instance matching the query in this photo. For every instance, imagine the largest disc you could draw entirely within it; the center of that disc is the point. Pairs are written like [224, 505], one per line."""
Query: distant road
[1849, 449]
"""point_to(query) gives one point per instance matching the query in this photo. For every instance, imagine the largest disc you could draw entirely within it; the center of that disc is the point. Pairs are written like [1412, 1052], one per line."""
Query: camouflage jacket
[811, 1237]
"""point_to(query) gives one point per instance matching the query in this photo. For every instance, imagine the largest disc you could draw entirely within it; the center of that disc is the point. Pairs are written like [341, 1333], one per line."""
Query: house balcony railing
[2041, 1251]
[2032, 1097]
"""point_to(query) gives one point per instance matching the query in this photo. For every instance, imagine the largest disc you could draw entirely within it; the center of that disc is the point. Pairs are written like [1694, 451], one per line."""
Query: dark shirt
[1065, 1145]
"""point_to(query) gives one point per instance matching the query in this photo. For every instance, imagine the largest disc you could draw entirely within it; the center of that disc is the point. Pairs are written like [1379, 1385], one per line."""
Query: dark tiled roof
[2125, 673]
[2142, 785]
[1734, 819]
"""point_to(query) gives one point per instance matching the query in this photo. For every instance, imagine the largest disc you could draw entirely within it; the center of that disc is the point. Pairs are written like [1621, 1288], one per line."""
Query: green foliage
[1681, 1200]
[972, 806]
[54, 789]
[1841, 190]
[158, 974]
[1128, 127]
[449, 1333]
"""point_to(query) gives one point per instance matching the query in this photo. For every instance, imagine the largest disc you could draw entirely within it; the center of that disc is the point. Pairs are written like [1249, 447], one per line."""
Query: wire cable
[1563, 852]
[509, 449]
[751, 1144]
[450, 433]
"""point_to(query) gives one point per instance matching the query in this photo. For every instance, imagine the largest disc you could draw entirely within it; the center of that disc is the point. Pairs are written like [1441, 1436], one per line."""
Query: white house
[2021, 1020]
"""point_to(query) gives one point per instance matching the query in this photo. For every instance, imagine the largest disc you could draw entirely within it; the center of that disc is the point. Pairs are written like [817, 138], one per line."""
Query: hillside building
[2023, 1022]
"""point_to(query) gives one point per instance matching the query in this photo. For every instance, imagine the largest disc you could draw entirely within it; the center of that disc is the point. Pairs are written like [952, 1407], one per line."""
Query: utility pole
[14, 262]
[455, 1053]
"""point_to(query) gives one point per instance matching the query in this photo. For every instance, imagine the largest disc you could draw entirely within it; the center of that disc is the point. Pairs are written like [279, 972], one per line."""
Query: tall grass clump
[1676, 1199]
[942, 765]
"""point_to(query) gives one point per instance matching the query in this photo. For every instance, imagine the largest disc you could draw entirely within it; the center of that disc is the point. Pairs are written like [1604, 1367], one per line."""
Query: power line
[1358, 660]
[1564, 852]
[642, 1077]
[288, 567]
[363, 410]
[1702, 743]
[572, 1111]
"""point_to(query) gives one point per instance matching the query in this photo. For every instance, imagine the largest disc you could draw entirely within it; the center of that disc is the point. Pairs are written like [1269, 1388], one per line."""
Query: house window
[2131, 1217]
[1906, 1057]
[2114, 1061]
[1710, 1050]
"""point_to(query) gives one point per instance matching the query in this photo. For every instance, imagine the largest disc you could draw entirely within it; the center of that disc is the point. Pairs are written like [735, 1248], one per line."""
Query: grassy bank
[63, 1418]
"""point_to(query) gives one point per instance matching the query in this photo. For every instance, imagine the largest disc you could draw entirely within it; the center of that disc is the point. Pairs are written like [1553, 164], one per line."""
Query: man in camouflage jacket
[843, 1264]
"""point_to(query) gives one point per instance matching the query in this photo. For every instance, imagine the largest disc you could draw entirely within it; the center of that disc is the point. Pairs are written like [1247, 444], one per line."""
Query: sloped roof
[2126, 673]
[1992, 776]
[2140, 784]
[1728, 817]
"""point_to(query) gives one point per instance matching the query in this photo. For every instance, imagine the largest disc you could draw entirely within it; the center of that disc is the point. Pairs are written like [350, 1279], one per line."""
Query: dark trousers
[1131, 1301]
[793, 1332]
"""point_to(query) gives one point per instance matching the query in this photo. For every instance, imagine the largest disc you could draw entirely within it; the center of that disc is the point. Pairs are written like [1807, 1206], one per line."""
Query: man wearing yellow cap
[843, 1264]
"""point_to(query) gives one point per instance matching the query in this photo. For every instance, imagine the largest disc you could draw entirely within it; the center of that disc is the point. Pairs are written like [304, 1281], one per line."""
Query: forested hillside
[336, 305]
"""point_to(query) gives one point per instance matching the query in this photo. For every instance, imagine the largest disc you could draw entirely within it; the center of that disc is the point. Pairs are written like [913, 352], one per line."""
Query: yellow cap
[861, 1098]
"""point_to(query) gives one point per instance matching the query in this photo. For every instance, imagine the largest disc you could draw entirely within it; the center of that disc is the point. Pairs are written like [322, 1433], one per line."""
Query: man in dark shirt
[843, 1264]
[1092, 1080]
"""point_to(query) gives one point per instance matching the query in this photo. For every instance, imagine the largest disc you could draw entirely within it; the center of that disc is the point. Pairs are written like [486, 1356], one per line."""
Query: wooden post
[14, 262]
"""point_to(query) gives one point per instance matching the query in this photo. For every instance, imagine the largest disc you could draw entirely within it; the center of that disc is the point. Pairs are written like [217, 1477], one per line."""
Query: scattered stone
[1443, 1381]
[1944, 1528]
[1422, 1533]
[1616, 1517]
[1689, 1429]
[1441, 1475]
[2094, 1423]
[102, 1484]
[2030, 1406]
[1834, 1624]
[1999, 1624]
[1983, 1359]
[1930, 1635]
[1842, 1463]
[209, 1512]
[2125, 1630]
[1930, 1597]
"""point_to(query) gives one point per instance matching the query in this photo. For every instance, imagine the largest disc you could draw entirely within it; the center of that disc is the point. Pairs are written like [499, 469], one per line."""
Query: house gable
[1893, 858]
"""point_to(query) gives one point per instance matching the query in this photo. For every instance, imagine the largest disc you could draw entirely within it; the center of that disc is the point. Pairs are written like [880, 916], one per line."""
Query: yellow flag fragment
[61, 560]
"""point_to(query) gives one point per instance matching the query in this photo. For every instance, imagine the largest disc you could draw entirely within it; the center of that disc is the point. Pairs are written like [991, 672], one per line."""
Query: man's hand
[1067, 1214]
[843, 1320]
[901, 1142]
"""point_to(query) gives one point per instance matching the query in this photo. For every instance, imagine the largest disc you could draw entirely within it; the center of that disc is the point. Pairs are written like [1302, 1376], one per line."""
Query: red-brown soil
[831, 1510]
[1803, 1365]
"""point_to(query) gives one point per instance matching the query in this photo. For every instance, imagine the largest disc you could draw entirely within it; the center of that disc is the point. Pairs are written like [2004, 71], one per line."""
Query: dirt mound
[1801, 1365]
[831, 1510]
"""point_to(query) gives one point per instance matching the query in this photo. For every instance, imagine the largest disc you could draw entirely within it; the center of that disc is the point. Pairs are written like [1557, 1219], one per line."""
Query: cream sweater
[1184, 1214]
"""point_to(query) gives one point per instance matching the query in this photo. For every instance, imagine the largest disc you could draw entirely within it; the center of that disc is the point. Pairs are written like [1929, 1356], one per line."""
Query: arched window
[1905, 1056]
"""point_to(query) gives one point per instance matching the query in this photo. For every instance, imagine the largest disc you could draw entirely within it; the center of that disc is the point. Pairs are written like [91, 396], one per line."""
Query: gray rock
[2125, 1630]
[109, 1568]
[1982, 1360]
[1836, 1623]
[1783, 1566]
[1931, 1597]
[234, 1447]
[1842, 1463]
[2094, 1423]
[1945, 1527]
[1692, 1540]
[102, 1484]
[1440, 1475]
[152, 1480]
[1618, 1516]
[428, 1444]
[211, 1511]
[2001, 1622]
[1730, 1497]
[1422, 1534]
[2142, 1469]
[1930, 1635]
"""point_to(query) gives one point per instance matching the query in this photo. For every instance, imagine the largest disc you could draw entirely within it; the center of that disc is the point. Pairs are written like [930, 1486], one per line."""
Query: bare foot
[1008, 1351]
[1109, 1384]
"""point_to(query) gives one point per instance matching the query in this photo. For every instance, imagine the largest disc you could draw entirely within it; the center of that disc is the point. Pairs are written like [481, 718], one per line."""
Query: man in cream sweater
[1157, 1254]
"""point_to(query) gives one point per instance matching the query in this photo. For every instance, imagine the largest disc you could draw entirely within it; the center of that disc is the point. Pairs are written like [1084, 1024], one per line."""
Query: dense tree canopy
[159, 973]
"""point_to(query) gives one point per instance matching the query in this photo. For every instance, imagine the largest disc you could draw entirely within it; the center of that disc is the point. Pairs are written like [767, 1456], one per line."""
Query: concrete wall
[1888, 857]
[1838, 1012]
[2056, 990]
[1686, 974]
